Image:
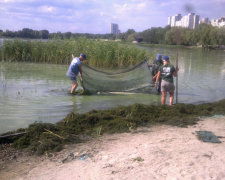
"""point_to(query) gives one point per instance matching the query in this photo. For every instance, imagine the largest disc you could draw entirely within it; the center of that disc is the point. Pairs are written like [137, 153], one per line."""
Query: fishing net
[135, 79]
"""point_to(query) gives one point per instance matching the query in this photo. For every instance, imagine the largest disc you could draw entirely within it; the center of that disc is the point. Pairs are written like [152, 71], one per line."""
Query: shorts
[167, 86]
[73, 78]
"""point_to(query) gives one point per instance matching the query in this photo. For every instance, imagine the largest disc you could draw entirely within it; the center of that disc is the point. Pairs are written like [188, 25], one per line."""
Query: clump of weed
[40, 138]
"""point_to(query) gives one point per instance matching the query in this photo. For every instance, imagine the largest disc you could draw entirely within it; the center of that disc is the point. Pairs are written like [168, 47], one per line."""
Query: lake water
[40, 92]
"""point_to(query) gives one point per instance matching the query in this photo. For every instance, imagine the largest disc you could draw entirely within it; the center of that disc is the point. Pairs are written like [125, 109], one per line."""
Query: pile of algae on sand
[42, 138]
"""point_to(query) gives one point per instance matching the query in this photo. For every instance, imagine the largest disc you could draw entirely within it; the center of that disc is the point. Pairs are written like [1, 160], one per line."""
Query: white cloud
[168, 3]
[220, 1]
[15, 1]
[126, 9]
[47, 9]
[141, 5]
[7, 1]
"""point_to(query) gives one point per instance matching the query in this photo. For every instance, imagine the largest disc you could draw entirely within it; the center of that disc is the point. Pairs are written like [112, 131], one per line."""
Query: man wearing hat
[166, 72]
[75, 69]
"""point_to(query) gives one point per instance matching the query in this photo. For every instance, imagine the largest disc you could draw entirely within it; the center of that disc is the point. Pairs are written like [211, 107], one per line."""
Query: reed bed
[100, 54]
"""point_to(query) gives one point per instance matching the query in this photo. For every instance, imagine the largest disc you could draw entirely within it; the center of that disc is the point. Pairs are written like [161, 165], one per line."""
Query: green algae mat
[47, 137]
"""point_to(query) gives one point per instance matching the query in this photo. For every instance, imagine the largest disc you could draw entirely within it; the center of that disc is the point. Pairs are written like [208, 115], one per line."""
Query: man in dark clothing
[155, 68]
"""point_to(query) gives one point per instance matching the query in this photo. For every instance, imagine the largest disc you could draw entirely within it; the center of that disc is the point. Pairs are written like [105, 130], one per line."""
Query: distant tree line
[25, 33]
[204, 35]
[44, 34]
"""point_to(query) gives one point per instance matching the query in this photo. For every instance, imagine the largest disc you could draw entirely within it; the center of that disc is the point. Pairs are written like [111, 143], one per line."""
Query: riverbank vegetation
[46, 137]
[105, 54]
[205, 35]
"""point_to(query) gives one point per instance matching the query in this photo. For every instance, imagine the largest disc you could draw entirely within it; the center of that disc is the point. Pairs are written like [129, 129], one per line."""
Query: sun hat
[166, 58]
[83, 56]
[158, 57]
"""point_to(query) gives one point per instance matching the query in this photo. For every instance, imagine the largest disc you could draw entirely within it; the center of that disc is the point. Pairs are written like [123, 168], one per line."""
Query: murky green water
[39, 92]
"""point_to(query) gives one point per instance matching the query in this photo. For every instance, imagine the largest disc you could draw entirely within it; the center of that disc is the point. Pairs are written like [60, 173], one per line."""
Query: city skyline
[95, 16]
[191, 20]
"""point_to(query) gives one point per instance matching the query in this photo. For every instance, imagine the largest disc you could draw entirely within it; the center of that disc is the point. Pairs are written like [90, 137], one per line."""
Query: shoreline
[159, 151]
[40, 138]
[21, 130]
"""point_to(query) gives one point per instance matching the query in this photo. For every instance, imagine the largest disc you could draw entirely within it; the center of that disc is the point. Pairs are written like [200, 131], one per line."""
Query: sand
[158, 152]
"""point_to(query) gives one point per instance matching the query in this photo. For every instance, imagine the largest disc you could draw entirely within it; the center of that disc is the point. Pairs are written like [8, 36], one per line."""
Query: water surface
[201, 76]
[40, 92]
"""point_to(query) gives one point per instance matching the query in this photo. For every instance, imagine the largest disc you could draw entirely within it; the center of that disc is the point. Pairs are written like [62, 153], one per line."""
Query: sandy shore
[159, 152]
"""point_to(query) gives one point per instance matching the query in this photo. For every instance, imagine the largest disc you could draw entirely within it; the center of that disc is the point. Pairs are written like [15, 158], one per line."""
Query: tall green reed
[100, 53]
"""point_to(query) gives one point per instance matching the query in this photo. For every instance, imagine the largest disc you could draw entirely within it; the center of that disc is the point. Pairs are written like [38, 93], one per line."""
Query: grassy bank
[100, 54]
[46, 137]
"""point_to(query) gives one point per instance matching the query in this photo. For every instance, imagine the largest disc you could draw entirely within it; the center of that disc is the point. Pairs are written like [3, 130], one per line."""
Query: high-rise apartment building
[190, 21]
[173, 19]
[205, 20]
[220, 22]
[196, 20]
[114, 29]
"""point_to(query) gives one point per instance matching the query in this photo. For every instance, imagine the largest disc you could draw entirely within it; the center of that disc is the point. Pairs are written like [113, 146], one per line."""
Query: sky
[96, 16]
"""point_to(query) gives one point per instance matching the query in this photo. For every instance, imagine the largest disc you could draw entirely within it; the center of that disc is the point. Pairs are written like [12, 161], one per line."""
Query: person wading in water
[75, 70]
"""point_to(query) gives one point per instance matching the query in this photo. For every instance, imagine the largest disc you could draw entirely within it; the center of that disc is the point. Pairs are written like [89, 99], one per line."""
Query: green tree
[204, 32]
[132, 37]
[67, 35]
[129, 35]
[26, 33]
[9, 33]
[221, 36]
[44, 34]
[154, 35]
[174, 36]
